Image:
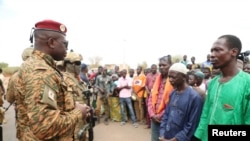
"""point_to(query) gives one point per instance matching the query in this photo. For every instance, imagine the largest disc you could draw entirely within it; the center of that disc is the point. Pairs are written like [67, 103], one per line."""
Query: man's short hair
[233, 42]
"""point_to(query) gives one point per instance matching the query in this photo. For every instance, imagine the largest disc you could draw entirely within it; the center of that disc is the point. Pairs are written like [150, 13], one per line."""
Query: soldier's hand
[84, 109]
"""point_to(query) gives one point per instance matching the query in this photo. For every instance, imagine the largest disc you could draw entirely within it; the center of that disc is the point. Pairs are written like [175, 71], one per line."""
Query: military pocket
[68, 100]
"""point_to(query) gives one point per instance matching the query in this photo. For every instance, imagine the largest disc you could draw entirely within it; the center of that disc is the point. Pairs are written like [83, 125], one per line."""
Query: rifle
[6, 109]
[90, 120]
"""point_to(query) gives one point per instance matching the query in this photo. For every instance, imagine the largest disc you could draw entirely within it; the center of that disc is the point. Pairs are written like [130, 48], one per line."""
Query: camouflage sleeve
[44, 99]
[2, 90]
[10, 93]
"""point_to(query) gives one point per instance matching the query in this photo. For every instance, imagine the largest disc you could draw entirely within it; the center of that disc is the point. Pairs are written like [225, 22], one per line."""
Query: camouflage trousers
[102, 101]
[79, 127]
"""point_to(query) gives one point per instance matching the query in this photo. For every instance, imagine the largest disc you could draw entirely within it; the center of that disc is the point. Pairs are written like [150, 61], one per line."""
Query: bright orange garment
[145, 95]
[167, 90]
[138, 85]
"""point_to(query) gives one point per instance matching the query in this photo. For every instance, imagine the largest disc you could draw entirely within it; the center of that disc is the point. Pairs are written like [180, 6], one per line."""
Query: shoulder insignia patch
[49, 97]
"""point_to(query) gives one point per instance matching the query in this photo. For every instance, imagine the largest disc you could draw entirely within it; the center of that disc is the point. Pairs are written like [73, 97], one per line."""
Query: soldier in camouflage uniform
[46, 108]
[72, 63]
[60, 66]
[11, 93]
[2, 111]
[2, 93]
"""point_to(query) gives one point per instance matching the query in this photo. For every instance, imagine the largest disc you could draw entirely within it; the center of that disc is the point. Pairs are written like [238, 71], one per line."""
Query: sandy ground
[111, 132]
[115, 132]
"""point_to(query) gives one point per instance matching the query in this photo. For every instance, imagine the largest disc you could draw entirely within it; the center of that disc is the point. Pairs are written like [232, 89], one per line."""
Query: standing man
[195, 80]
[184, 60]
[131, 73]
[150, 80]
[159, 96]
[2, 89]
[207, 63]
[183, 112]
[207, 76]
[116, 70]
[124, 86]
[11, 95]
[138, 86]
[103, 85]
[193, 64]
[41, 90]
[72, 63]
[2, 111]
[84, 74]
[227, 101]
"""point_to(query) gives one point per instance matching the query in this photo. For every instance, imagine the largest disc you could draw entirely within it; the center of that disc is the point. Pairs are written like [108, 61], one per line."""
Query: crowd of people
[176, 101]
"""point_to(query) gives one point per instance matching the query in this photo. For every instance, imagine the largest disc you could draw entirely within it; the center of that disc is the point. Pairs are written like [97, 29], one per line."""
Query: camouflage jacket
[10, 93]
[1, 87]
[75, 87]
[104, 83]
[45, 108]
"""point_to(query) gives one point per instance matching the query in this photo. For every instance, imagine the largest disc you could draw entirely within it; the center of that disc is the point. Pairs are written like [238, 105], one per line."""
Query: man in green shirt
[228, 99]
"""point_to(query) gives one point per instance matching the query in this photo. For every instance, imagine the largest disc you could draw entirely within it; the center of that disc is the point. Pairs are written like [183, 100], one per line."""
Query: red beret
[51, 25]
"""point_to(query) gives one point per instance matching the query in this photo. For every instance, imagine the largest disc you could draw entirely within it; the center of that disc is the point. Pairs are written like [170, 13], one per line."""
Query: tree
[144, 65]
[3, 65]
[95, 61]
[176, 58]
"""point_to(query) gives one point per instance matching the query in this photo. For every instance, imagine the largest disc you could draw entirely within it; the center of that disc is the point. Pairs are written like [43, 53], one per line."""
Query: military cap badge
[62, 28]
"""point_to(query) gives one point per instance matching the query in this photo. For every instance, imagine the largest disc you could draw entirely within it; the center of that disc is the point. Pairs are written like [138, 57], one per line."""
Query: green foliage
[10, 70]
[3, 65]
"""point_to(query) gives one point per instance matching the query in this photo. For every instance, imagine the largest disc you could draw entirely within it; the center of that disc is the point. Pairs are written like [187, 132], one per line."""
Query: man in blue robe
[181, 116]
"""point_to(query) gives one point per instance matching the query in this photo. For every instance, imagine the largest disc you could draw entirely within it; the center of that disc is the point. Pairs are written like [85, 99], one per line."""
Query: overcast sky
[130, 31]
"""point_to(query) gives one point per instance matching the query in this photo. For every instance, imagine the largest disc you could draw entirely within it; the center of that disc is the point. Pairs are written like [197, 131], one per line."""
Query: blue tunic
[182, 115]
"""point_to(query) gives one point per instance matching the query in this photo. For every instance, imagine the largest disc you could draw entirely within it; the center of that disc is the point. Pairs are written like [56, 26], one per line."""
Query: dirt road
[111, 132]
[115, 132]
